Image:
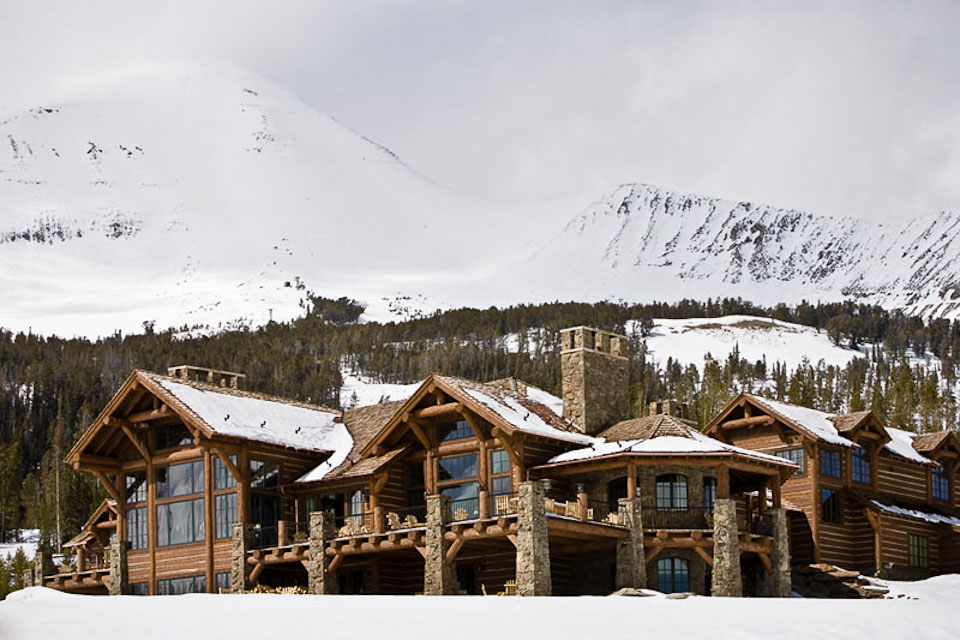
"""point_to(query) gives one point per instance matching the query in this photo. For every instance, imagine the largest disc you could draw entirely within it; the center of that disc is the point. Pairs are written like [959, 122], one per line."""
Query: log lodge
[495, 487]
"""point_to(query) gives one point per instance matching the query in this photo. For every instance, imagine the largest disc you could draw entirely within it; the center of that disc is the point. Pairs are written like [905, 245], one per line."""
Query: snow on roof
[694, 442]
[934, 518]
[817, 422]
[901, 444]
[262, 419]
[522, 418]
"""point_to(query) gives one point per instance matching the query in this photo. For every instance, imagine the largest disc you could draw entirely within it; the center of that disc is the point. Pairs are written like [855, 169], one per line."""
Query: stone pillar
[42, 566]
[239, 568]
[631, 561]
[119, 578]
[727, 581]
[320, 579]
[778, 583]
[439, 577]
[533, 542]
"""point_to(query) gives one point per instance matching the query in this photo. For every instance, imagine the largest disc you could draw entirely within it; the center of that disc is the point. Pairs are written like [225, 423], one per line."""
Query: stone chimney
[595, 375]
[215, 377]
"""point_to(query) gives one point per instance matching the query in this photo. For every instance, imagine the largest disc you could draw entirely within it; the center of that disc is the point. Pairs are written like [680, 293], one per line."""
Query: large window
[457, 478]
[222, 478]
[136, 487]
[709, 493]
[919, 549]
[180, 479]
[500, 472]
[178, 586]
[673, 575]
[940, 483]
[455, 431]
[795, 456]
[180, 522]
[860, 462]
[139, 588]
[226, 514]
[830, 463]
[831, 506]
[671, 491]
[264, 475]
[223, 581]
[137, 528]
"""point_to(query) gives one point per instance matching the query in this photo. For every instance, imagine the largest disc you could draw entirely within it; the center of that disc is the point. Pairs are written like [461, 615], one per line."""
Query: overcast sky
[845, 108]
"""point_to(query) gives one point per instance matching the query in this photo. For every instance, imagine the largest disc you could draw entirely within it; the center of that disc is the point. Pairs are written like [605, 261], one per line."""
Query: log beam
[748, 422]
[448, 408]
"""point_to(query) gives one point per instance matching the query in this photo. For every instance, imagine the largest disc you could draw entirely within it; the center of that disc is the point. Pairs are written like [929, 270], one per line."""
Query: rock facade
[239, 569]
[533, 544]
[631, 561]
[439, 578]
[119, 577]
[727, 580]
[595, 375]
[320, 580]
[777, 584]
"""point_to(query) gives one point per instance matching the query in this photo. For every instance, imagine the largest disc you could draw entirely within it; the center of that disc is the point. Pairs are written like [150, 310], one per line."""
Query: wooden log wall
[895, 545]
[849, 545]
[902, 479]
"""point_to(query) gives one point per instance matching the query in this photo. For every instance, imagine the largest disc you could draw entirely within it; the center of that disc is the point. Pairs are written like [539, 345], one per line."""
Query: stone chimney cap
[589, 338]
[216, 377]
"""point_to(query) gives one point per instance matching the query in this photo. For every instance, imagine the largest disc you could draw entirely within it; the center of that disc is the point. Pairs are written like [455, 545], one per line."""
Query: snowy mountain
[202, 195]
[642, 242]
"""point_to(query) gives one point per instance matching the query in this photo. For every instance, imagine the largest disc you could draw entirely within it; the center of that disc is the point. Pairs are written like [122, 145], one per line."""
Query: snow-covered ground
[28, 542]
[926, 611]
[688, 341]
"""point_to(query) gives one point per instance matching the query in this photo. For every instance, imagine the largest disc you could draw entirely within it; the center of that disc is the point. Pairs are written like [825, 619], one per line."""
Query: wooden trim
[227, 462]
[136, 441]
[152, 525]
[723, 482]
[109, 486]
[419, 433]
[154, 414]
[209, 518]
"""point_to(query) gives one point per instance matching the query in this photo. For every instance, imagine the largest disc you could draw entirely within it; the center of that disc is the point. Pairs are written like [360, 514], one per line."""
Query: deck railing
[761, 524]
[503, 504]
[290, 532]
[354, 524]
[462, 509]
[265, 536]
[406, 518]
[693, 516]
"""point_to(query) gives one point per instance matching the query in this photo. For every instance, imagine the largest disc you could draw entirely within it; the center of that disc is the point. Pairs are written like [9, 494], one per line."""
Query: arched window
[673, 575]
[709, 493]
[671, 491]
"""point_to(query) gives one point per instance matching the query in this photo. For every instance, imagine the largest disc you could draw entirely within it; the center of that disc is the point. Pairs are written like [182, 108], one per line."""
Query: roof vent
[228, 379]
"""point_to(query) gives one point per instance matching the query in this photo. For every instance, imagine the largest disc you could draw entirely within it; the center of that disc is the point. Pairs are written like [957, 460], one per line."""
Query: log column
[320, 580]
[631, 565]
[727, 581]
[439, 578]
[239, 568]
[119, 578]
[533, 543]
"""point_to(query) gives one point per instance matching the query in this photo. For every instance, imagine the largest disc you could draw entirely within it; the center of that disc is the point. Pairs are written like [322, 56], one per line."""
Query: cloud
[832, 107]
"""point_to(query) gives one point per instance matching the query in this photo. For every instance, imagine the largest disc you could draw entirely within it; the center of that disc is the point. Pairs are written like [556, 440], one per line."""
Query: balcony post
[119, 577]
[583, 504]
[483, 508]
[282, 538]
[439, 577]
[631, 561]
[533, 542]
[320, 580]
[239, 568]
[727, 581]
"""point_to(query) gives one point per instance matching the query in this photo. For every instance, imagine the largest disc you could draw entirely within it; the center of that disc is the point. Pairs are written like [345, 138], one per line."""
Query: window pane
[671, 491]
[199, 521]
[223, 581]
[457, 467]
[137, 528]
[226, 514]
[465, 491]
[795, 456]
[500, 485]
[136, 487]
[456, 431]
[940, 483]
[499, 461]
[180, 522]
[830, 464]
[180, 479]
[709, 492]
[264, 475]
[831, 506]
[860, 463]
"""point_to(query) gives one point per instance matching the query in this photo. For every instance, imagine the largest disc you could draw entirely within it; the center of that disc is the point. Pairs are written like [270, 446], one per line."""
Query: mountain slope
[643, 241]
[202, 195]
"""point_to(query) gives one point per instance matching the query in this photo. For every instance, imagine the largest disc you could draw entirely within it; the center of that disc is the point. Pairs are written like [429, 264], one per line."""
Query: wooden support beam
[453, 551]
[513, 539]
[706, 556]
[747, 422]
[128, 431]
[765, 559]
[337, 559]
[422, 551]
[109, 486]
[653, 553]
[91, 461]
[421, 436]
[145, 416]
[439, 410]
[255, 574]
[227, 462]
[723, 481]
[474, 426]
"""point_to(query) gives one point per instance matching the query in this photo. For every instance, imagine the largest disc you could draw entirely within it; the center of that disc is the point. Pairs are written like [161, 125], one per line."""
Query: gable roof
[513, 409]
[849, 421]
[816, 424]
[231, 413]
[106, 507]
[645, 428]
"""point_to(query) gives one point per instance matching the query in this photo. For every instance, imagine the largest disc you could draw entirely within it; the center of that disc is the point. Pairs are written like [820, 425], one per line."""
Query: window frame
[831, 514]
[674, 497]
[162, 485]
[800, 460]
[138, 530]
[834, 454]
[224, 524]
[198, 584]
[918, 551]
[940, 479]
[195, 525]
[500, 475]
[861, 459]
[674, 563]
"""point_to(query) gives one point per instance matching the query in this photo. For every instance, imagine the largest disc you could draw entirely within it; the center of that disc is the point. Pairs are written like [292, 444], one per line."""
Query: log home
[867, 497]
[464, 487]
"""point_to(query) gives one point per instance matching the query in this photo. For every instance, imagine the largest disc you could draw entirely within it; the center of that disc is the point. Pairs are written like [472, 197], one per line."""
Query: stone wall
[727, 580]
[631, 560]
[239, 569]
[439, 578]
[777, 584]
[119, 577]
